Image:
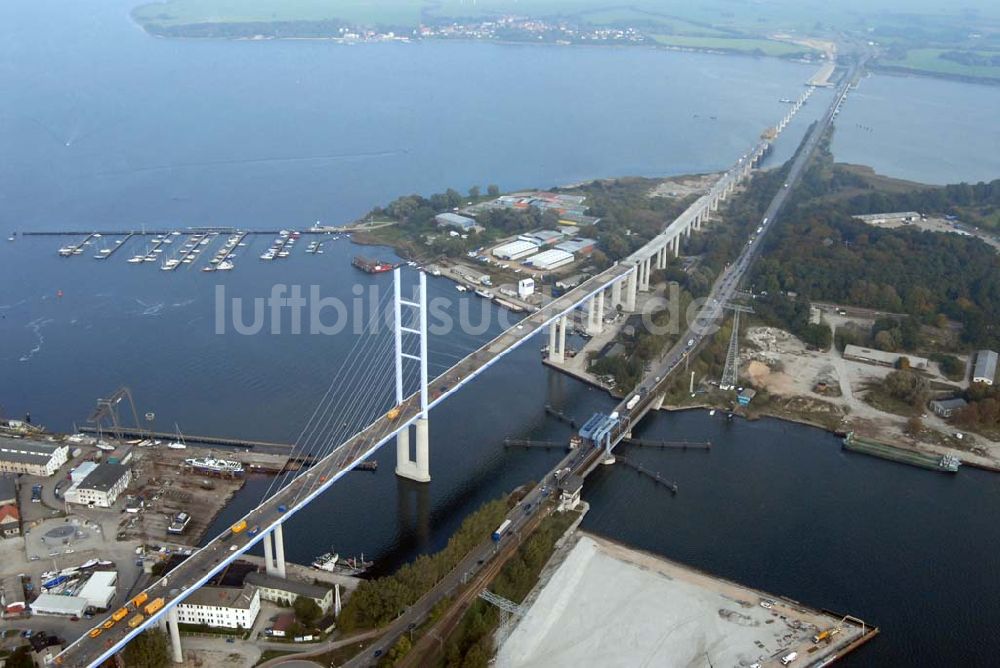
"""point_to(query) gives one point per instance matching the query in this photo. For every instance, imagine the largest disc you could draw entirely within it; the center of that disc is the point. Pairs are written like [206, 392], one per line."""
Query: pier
[559, 415]
[131, 432]
[641, 470]
[526, 444]
[105, 253]
[668, 445]
[77, 248]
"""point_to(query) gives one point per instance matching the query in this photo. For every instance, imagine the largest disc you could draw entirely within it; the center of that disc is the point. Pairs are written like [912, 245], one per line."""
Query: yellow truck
[154, 606]
[120, 614]
[140, 599]
[108, 624]
[239, 527]
[95, 632]
[393, 413]
[135, 621]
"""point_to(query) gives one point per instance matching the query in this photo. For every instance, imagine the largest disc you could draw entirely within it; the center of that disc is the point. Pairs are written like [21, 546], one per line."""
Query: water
[106, 126]
[926, 130]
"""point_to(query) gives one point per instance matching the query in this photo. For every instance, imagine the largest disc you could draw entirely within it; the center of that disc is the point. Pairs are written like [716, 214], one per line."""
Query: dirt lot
[822, 385]
[684, 186]
[168, 489]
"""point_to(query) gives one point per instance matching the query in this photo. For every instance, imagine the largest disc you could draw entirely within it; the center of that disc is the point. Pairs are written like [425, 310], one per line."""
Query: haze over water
[105, 126]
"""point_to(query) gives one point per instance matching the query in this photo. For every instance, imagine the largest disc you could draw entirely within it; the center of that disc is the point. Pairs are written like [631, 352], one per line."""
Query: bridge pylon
[416, 468]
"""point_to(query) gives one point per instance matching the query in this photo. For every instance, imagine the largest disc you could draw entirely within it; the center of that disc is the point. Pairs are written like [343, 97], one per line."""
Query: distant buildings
[515, 250]
[281, 590]
[23, 455]
[101, 486]
[221, 607]
[985, 370]
[550, 259]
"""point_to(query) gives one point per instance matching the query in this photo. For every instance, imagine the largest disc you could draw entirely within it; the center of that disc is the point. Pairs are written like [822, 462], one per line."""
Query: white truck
[788, 658]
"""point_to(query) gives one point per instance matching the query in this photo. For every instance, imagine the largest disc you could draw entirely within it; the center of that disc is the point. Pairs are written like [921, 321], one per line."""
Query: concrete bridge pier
[631, 287]
[595, 314]
[417, 469]
[274, 565]
[646, 267]
[616, 294]
[557, 340]
[175, 635]
[677, 246]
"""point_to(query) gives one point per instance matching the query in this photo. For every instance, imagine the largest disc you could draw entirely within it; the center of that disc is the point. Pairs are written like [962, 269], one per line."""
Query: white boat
[225, 265]
[267, 256]
[326, 562]
[210, 465]
[135, 260]
[176, 445]
[461, 288]
[107, 447]
[711, 412]
[208, 268]
[10, 238]
[436, 272]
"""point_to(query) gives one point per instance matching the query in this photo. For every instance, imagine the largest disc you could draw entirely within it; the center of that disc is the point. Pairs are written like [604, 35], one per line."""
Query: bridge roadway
[222, 550]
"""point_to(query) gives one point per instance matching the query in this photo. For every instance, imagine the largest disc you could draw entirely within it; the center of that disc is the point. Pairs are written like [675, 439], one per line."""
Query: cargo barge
[372, 266]
[927, 460]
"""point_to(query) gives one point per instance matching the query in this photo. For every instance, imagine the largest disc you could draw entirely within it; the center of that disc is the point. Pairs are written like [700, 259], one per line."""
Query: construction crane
[106, 416]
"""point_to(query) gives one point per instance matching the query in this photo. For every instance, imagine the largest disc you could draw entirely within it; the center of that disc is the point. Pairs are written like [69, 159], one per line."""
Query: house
[10, 521]
[947, 407]
[24, 455]
[221, 607]
[746, 396]
[280, 590]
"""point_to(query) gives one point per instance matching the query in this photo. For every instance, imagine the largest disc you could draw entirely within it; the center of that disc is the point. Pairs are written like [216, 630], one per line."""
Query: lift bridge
[341, 433]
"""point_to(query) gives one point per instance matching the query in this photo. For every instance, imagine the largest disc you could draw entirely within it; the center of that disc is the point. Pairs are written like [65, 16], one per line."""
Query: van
[788, 658]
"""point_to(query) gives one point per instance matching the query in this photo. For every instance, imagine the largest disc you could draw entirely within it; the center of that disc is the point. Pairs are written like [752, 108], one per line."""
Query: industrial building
[59, 605]
[881, 357]
[578, 246]
[515, 250]
[280, 590]
[100, 589]
[101, 487]
[985, 370]
[22, 455]
[946, 407]
[525, 288]
[904, 217]
[454, 220]
[550, 259]
[221, 607]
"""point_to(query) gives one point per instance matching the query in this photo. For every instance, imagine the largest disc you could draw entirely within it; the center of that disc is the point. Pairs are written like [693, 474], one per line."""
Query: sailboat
[179, 443]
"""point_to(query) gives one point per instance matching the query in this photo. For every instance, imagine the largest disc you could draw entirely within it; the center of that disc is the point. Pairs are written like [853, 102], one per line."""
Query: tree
[493, 190]
[914, 426]
[474, 192]
[306, 610]
[148, 649]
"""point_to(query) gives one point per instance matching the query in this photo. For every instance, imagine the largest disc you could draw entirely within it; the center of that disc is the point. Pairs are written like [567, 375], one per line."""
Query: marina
[282, 246]
[222, 261]
[189, 252]
[77, 248]
[107, 251]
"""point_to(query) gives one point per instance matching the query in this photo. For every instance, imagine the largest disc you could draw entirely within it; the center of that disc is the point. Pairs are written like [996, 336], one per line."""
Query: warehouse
[578, 246]
[946, 407]
[20, 455]
[515, 250]
[986, 367]
[550, 259]
[280, 590]
[457, 221]
[101, 487]
[100, 589]
[221, 607]
[59, 605]
[542, 238]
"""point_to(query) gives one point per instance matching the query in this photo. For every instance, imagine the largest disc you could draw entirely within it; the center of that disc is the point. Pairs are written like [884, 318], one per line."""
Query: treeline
[377, 602]
[243, 30]
[951, 199]
[471, 646]
[983, 411]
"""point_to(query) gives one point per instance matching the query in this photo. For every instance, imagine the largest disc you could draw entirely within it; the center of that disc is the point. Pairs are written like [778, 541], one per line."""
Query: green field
[930, 60]
[742, 45]
[360, 12]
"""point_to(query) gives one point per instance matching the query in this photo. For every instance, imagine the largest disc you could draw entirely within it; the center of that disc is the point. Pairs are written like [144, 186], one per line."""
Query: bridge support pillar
[645, 266]
[175, 636]
[631, 287]
[616, 294]
[608, 459]
[269, 554]
[279, 550]
[557, 340]
[714, 206]
[677, 246]
[417, 469]
[595, 314]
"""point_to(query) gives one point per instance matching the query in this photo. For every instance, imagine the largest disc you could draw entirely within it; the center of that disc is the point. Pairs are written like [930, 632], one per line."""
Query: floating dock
[652, 475]
[105, 253]
[926, 460]
[668, 445]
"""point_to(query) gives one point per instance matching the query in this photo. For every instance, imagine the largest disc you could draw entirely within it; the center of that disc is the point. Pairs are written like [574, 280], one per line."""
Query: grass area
[765, 47]
[932, 61]
[269, 654]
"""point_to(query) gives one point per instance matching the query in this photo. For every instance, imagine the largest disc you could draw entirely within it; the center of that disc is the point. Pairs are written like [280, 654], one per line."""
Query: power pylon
[731, 368]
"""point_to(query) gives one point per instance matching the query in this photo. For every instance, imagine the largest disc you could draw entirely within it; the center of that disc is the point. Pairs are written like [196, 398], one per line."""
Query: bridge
[335, 456]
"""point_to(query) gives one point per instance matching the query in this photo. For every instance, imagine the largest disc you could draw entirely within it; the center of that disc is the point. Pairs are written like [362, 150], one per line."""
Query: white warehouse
[550, 259]
[515, 250]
